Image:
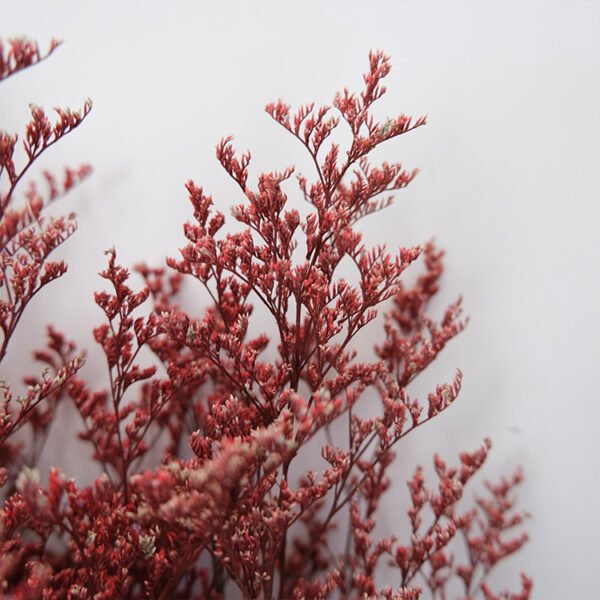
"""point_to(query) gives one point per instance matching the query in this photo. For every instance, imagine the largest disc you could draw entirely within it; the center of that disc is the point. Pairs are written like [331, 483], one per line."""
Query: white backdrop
[508, 186]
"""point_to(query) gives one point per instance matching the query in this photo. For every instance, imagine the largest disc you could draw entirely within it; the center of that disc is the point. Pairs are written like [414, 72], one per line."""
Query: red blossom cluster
[229, 510]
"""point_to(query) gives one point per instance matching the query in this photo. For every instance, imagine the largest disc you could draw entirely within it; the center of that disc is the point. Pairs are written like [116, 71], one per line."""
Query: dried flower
[241, 517]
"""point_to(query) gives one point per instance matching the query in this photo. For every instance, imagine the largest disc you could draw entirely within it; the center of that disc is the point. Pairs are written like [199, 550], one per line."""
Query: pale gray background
[509, 186]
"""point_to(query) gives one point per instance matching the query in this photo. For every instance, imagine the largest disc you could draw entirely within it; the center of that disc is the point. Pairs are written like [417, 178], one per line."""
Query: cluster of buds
[229, 508]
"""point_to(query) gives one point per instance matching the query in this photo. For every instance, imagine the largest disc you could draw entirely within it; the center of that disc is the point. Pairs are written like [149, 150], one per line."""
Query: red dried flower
[227, 509]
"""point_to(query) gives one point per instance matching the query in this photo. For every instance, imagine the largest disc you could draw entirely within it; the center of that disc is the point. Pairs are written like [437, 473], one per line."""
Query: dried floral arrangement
[229, 510]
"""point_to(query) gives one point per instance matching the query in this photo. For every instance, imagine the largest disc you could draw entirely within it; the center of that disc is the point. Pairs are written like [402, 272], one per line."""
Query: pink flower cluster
[229, 509]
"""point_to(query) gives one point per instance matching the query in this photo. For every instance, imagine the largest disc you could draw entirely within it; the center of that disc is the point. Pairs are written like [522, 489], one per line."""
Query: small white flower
[27, 477]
